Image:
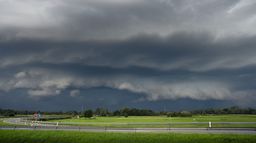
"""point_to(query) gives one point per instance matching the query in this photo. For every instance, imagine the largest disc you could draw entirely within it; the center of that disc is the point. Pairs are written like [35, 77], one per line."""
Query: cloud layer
[157, 49]
[111, 19]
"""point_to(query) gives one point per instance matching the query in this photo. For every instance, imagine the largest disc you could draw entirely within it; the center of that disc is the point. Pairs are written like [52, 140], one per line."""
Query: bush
[125, 115]
[88, 113]
[185, 114]
[168, 114]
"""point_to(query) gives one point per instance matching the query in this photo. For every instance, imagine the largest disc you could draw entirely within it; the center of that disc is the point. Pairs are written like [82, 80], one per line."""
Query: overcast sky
[157, 54]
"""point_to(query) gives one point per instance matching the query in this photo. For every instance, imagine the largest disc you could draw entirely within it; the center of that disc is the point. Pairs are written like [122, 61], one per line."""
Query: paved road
[102, 129]
[156, 130]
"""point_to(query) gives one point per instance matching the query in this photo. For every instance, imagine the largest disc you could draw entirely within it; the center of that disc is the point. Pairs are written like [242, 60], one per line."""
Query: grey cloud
[83, 20]
[50, 83]
[75, 93]
[156, 49]
[188, 60]
[190, 51]
[43, 92]
[198, 90]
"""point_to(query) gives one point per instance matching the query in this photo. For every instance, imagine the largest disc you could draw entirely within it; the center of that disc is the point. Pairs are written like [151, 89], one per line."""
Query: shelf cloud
[153, 50]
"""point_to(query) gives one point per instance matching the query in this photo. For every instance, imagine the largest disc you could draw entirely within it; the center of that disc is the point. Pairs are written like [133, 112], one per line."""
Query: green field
[85, 137]
[162, 121]
[2, 123]
[155, 121]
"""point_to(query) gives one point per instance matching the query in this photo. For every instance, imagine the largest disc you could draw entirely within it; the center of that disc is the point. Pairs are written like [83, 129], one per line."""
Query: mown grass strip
[85, 137]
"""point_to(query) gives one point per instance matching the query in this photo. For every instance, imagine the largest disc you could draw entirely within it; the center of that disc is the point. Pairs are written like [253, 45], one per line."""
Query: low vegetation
[85, 137]
[126, 112]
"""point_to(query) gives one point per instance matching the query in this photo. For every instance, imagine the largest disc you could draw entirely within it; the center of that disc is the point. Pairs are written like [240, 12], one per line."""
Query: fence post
[210, 124]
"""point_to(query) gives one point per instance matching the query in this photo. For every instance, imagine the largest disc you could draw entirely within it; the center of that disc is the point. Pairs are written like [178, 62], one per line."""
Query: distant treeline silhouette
[134, 112]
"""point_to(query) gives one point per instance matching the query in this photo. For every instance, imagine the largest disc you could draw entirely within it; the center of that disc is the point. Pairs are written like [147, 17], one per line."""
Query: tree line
[230, 110]
[134, 112]
[121, 112]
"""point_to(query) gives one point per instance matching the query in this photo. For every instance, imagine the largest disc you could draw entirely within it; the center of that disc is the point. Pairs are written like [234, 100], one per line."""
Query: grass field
[82, 137]
[163, 121]
[156, 121]
[2, 123]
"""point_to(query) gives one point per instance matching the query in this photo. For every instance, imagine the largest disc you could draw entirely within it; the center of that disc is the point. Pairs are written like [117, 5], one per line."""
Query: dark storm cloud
[151, 50]
[183, 65]
[188, 51]
[103, 97]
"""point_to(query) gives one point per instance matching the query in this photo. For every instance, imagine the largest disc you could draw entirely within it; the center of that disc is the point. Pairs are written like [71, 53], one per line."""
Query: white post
[57, 124]
[210, 124]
